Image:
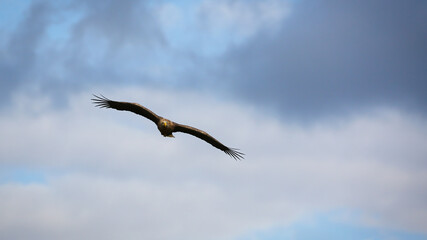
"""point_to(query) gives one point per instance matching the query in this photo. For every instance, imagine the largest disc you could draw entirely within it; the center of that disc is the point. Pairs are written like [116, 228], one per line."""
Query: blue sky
[327, 226]
[326, 99]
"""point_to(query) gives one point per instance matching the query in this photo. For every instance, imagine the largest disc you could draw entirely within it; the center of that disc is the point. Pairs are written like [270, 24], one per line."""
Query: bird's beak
[164, 124]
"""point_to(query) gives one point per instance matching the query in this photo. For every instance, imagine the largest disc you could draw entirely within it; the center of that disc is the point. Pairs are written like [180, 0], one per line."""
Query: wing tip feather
[235, 154]
[100, 101]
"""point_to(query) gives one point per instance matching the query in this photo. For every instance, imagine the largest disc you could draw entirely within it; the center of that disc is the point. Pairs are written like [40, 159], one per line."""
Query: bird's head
[165, 124]
[166, 127]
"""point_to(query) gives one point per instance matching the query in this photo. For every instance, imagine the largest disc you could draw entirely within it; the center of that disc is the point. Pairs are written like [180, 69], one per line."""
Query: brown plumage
[165, 126]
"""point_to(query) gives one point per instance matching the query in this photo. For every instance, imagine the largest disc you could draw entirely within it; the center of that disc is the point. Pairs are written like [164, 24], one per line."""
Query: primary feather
[208, 138]
[104, 102]
[165, 126]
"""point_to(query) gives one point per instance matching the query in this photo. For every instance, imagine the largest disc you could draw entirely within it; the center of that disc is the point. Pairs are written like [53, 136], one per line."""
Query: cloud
[243, 18]
[322, 59]
[19, 55]
[206, 29]
[74, 171]
[127, 22]
[333, 57]
[61, 47]
[111, 174]
[86, 207]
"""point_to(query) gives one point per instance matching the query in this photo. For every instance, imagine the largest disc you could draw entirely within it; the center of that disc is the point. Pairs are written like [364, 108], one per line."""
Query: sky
[326, 98]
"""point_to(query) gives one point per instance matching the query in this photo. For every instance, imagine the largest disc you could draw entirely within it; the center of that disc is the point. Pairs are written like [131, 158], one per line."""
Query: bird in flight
[165, 126]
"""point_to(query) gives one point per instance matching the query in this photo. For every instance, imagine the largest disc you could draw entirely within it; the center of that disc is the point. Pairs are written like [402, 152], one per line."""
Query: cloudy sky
[327, 99]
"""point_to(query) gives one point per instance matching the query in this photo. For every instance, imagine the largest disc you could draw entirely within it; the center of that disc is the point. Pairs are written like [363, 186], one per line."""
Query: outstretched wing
[104, 102]
[234, 153]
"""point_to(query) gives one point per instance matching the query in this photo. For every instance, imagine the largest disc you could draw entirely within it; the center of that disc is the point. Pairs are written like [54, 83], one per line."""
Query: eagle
[165, 126]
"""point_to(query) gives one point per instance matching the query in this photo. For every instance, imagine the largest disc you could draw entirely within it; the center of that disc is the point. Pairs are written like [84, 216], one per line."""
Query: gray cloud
[110, 173]
[335, 56]
[62, 47]
[18, 58]
[110, 37]
[120, 23]
[327, 57]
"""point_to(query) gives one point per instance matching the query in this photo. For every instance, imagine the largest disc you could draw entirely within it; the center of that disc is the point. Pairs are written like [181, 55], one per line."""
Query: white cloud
[111, 175]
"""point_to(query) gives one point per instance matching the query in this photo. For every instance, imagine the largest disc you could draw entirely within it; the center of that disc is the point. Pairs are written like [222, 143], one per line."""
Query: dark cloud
[121, 23]
[109, 37]
[329, 56]
[18, 58]
[335, 56]
[100, 42]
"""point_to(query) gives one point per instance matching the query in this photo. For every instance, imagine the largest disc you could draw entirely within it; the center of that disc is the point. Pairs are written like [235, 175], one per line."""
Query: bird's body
[165, 126]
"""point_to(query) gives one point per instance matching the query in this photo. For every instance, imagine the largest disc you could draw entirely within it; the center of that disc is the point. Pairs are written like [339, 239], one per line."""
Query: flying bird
[165, 126]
